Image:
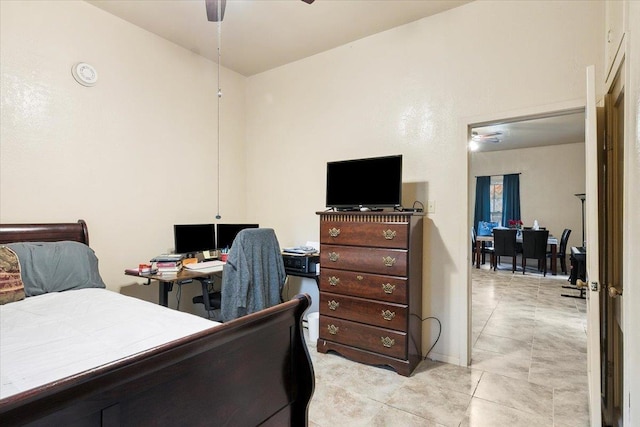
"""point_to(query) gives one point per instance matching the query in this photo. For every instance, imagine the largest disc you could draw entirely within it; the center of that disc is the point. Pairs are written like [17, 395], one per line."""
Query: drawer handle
[333, 256]
[333, 329]
[333, 281]
[359, 277]
[389, 234]
[388, 315]
[334, 232]
[387, 260]
[388, 288]
[333, 305]
[388, 342]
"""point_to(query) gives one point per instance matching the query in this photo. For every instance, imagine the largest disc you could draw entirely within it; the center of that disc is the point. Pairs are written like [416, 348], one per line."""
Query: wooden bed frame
[254, 370]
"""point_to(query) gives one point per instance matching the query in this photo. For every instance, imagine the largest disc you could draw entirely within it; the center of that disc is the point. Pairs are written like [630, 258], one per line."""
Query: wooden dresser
[371, 287]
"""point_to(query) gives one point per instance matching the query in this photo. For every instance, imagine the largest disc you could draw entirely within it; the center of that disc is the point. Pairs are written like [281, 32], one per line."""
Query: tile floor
[529, 362]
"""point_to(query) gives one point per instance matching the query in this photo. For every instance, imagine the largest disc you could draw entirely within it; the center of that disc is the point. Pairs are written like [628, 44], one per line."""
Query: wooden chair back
[504, 242]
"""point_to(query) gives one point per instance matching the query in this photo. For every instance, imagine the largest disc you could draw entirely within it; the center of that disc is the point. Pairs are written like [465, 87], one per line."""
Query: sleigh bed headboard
[53, 232]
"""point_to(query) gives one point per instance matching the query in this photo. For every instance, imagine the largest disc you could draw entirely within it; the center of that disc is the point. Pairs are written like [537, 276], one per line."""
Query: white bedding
[52, 336]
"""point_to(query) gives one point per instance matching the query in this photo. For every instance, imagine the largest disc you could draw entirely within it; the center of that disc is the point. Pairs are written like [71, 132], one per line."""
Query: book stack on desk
[168, 264]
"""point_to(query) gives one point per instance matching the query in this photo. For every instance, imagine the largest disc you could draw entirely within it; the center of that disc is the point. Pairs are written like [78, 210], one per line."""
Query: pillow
[11, 286]
[485, 228]
[57, 266]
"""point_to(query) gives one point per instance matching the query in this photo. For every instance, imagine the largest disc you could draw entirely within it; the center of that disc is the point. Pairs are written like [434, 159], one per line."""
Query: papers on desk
[301, 250]
[206, 266]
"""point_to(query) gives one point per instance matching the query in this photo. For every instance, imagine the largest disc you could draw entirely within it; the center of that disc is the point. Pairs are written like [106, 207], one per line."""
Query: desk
[166, 281]
[314, 276]
[551, 241]
[297, 273]
[578, 271]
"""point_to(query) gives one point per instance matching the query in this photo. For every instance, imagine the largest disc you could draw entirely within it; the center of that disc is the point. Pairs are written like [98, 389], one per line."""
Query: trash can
[313, 321]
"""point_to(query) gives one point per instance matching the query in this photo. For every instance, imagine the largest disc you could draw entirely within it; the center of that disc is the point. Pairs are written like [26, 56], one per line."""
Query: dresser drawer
[377, 234]
[366, 285]
[392, 262]
[392, 316]
[379, 340]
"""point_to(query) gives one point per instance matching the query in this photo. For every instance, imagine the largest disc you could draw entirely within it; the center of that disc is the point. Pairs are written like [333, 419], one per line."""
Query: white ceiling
[565, 127]
[258, 35]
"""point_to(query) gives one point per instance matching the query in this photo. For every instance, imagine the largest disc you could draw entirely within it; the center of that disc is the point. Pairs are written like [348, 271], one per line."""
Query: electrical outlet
[431, 206]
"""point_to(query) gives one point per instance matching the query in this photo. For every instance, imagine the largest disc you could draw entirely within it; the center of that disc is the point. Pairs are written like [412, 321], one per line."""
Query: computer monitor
[193, 238]
[228, 232]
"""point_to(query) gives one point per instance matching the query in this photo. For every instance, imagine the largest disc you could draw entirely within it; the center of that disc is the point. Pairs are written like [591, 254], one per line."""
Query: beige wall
[407, 91]
[550, 178]
[132, 155]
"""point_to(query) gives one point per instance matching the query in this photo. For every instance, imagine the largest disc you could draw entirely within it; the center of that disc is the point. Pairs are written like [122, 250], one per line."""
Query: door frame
[466, 124]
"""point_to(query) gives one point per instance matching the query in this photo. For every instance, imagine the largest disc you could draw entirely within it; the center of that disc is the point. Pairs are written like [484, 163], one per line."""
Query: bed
[254, 370]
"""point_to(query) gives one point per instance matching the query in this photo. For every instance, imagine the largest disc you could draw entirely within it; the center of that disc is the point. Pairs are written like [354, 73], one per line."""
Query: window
[495, 195]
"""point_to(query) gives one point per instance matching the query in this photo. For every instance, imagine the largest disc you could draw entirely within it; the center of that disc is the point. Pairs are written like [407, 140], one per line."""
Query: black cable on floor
[439, 332]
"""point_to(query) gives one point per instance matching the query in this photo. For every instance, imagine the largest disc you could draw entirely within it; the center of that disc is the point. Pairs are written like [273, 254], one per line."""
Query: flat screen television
[227, 233]
[374, 182]
[193, 238]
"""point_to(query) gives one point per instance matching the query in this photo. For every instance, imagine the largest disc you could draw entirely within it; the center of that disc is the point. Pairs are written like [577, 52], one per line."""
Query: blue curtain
[510, 198]
[483, 200]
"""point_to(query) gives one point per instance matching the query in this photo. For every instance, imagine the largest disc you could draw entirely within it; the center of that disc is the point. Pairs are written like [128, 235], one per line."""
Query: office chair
[254, 274]
[210, 298]
[534, 245]
[504, 244]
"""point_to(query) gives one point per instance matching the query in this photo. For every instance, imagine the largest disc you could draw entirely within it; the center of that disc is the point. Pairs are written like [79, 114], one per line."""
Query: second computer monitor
[227, 232]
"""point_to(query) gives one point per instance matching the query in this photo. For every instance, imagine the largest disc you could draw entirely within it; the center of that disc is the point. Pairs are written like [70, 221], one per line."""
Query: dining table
[552, 241]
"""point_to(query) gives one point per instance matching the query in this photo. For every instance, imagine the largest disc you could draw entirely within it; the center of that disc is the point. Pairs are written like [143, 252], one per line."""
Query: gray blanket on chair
[254, 274]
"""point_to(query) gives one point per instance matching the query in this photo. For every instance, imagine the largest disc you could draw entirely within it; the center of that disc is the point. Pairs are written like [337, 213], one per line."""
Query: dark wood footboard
[251, 371]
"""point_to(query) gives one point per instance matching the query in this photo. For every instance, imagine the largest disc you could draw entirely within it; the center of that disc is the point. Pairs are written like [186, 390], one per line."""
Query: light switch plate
[431, 206]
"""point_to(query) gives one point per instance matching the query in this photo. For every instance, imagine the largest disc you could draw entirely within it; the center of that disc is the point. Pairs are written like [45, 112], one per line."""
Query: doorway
[513, 161]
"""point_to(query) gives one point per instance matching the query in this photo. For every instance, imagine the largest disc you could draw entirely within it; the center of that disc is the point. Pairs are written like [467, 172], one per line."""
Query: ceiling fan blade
[212, 10]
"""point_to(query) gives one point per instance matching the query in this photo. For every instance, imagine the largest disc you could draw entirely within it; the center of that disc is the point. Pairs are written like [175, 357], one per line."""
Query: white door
[591, 235]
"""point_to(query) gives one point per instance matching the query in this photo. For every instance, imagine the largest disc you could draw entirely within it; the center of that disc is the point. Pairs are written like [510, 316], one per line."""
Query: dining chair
[561, 254]
[534, 245]
[504, 244]
[484, 248]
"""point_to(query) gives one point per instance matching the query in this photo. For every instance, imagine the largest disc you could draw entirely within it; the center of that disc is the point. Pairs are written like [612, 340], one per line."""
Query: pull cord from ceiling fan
[219, 96]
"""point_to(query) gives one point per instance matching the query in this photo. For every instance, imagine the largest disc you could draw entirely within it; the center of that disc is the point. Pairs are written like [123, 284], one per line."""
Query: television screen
[372, 183]
[193, 238]
[228, 232]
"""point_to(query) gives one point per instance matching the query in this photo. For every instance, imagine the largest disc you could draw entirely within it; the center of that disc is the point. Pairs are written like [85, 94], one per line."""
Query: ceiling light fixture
[488, 137]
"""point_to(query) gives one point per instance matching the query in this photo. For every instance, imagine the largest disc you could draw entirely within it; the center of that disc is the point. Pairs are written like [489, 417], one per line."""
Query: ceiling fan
[215, 9]
[486, 137]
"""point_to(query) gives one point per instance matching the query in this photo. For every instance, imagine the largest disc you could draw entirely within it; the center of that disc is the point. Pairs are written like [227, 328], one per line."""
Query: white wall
[550, 178]
[132, 155]
[406, 91]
